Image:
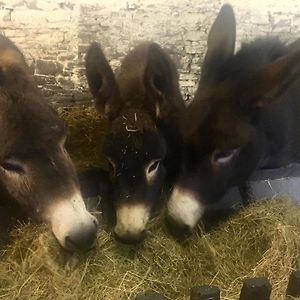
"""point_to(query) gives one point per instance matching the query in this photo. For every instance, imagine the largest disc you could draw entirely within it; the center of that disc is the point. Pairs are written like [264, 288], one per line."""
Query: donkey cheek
[184, 207]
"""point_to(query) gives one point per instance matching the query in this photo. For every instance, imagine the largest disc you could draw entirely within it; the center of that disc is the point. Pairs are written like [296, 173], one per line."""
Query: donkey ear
[160, 80]
[220, 42]
[294, 46]
[273, 79]
[102, 82]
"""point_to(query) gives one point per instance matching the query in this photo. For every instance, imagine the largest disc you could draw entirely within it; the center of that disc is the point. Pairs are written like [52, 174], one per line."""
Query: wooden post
[150, 296]
[205, 292]
[293, 288]
[256, 289]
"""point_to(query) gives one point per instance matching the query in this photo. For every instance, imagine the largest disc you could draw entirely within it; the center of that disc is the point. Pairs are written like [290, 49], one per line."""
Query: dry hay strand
[262, 240]
[87, 131]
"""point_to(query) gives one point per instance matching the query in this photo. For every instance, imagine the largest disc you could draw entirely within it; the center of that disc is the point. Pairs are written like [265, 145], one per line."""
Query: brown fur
[35, 169]
[143, 104]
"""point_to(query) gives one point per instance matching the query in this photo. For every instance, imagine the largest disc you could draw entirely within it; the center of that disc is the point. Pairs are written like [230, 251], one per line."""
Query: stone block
[48, 67]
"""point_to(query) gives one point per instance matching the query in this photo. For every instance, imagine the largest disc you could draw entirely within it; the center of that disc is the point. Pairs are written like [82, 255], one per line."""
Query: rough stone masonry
[54, 34]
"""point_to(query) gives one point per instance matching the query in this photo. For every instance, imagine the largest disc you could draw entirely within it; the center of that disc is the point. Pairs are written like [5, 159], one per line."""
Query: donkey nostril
[186, 229]
[81, 239]
[178, 230]
[95, 222]
[69, 244]
[131, 239]
[143, 233]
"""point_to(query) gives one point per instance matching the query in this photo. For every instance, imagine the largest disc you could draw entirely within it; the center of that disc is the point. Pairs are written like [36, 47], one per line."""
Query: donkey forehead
[213, 102]
[224, 137]
[133, 120]
[221, 121]
[138, 145]
[31, 122]
[134, 132]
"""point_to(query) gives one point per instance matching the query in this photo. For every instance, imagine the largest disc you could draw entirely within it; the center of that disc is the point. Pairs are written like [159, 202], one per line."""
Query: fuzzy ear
[220, 42]
[102, 82]
[12, 63]
[161, 81]
[273, 79]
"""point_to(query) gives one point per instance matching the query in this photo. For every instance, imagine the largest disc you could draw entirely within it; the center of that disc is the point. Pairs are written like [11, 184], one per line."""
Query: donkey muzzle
[73, 226]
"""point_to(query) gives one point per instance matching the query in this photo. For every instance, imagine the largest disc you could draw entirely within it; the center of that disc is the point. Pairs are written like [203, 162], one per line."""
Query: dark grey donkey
[245, 116]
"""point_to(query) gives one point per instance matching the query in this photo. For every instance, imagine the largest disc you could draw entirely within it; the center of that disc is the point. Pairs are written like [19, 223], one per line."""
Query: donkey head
[221, 127]
[35, 169]
[134, 103]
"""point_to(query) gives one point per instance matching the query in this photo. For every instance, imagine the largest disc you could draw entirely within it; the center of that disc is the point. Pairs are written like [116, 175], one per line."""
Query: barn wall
[54, 34]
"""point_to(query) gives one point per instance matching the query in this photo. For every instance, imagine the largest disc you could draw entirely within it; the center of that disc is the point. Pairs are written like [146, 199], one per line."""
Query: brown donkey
[143, 105]
[245, 116]
[36, 172]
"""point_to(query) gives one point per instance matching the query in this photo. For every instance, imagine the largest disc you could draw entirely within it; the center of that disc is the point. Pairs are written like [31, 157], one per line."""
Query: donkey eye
[65, 151]
[153, 166]
[222, 157]
[62, 142]
[11, 165]
[151, 170]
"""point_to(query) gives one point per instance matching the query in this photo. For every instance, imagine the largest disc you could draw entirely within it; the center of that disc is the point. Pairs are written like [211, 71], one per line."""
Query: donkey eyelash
[12, 166]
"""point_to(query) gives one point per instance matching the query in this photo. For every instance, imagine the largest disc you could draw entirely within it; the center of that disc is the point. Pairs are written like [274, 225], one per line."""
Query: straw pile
[87, 131]
[263, 240]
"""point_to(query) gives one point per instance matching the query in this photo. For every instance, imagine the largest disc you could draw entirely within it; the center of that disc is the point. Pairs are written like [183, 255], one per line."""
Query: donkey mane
[237, 72]
[251, 57]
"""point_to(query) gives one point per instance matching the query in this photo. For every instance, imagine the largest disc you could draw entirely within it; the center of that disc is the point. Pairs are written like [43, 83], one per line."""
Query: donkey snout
[131, 239]
[178, 230]
[81, 237]
[131, 223]
[184, 211]
[73, 226]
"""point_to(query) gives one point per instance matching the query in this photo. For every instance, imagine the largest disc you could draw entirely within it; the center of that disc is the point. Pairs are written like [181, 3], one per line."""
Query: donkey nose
[131, 239]
[131, 223]
[178, 230]
[82, 237]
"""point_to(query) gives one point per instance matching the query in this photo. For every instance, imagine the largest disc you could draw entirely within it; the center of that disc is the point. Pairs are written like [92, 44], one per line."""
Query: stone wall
[54, 34]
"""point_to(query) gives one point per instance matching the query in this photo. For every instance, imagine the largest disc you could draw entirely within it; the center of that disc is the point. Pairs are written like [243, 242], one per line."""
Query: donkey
[245, 116]
[142, 105]
[36, 172]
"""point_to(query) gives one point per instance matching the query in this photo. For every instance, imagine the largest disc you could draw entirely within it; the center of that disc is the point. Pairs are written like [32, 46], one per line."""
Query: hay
[263, 240]
[87, 131]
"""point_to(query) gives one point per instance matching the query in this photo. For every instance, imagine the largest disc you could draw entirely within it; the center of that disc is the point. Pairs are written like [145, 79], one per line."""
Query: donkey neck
[279, 125]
